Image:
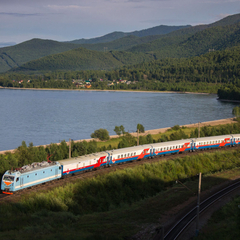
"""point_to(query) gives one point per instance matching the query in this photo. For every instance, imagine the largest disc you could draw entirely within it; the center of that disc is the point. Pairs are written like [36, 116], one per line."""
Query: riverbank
[104, 90]
[157, 131]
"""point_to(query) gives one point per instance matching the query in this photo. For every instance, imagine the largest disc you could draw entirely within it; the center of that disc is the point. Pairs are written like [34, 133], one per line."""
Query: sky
[61, 20]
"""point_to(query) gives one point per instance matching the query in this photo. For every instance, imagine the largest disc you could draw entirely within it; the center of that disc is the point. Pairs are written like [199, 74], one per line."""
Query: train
[42, 172]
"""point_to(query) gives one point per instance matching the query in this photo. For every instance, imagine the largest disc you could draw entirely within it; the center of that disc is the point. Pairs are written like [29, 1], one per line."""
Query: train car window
[128, 154]
[167, 148]
[43, 171]
[90, 163]
[210, 142]
[134, 153]
[118, 156]
[28, 176]
[17, 179]
[121, 156]
[170, 148]
[35, 174]
[125, 155]
[83, 164]
[131, 154]
[59, 168]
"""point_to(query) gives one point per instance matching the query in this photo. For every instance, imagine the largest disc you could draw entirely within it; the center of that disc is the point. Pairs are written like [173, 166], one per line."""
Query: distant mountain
[196, 40]
[6, 44]
[15, 56]
[159, 30]
[120, 44]
[186, 41]
[83, 59]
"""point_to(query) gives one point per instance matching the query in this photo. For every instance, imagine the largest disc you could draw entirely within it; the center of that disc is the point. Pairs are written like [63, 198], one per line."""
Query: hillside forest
[202, 58]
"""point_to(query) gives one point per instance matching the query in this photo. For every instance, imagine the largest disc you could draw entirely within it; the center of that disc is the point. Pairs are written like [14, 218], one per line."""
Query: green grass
[116, 205]
[224, 223]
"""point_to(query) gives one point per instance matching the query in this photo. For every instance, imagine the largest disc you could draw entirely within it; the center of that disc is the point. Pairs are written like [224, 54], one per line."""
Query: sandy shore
[160, 130]
[100, 90]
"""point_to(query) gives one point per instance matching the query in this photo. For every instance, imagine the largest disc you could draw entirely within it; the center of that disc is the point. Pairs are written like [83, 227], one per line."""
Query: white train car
[172, 147]
[84, 163]
[122, 155]
[212, 142]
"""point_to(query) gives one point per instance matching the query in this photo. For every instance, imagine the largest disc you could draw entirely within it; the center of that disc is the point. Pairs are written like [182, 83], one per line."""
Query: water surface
[50, 116]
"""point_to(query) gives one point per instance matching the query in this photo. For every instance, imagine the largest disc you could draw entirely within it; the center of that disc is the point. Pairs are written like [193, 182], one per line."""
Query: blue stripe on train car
[212, 146]
[125, 160]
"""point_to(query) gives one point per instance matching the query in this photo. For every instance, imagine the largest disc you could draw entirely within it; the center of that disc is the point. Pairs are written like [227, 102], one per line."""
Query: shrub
[101, 134]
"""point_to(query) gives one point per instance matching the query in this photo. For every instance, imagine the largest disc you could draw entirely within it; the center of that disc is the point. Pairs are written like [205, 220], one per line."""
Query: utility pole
[198, 203]
[137, 137]
[198, 129]
[70, 148]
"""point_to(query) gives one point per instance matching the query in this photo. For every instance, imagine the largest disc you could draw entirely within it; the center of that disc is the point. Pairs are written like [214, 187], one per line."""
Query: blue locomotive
[30, 175]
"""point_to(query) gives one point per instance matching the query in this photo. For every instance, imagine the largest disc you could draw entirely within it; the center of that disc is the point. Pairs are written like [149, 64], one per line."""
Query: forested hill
[83, 59]
[159, 30]
[184, 42]
[214, 38]
[210, 39]
[15, 56]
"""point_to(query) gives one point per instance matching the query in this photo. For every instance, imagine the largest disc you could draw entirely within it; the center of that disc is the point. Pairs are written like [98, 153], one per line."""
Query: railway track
[176, 231]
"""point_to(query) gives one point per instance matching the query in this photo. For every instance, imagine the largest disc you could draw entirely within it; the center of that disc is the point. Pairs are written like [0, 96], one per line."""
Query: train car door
[56, 172]
[110, 161]
[21, 181]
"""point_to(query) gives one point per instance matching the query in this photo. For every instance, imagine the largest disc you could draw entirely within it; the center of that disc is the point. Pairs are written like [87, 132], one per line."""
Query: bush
[101, 134]
[176, 127]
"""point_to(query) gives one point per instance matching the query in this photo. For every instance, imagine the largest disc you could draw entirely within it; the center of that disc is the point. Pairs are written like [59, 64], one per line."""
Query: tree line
[25, 155]
[215, 72]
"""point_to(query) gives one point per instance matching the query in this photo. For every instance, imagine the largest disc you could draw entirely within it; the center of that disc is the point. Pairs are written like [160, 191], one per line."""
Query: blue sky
[22, 20]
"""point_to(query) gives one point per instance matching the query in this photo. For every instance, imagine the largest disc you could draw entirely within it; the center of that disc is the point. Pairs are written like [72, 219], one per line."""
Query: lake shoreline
[105, 90]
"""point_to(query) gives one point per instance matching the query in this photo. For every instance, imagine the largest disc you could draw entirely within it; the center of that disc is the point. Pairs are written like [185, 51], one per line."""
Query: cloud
[21, 14]
[66, 7]
[6, 44]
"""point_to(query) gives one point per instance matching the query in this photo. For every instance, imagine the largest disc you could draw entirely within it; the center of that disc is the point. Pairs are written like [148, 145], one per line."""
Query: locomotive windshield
[8, 178]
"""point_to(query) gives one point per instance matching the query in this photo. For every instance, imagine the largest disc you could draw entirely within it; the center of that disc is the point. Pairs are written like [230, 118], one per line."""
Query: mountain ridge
[184, 42]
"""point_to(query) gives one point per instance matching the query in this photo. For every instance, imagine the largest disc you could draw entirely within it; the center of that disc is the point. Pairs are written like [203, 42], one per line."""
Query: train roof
[236, 135]
[212, 138]
[172, 143]
[32, 167]
[129, 149]
[93, 156]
